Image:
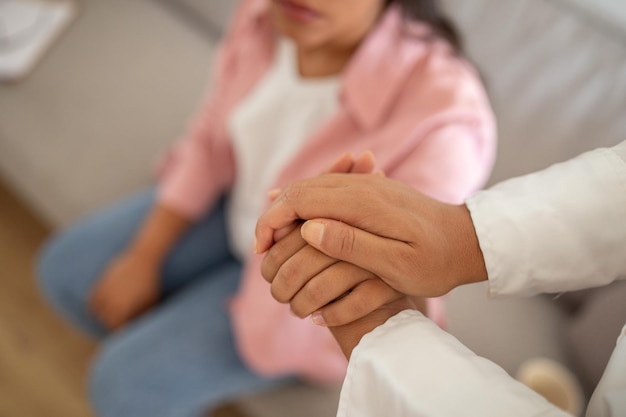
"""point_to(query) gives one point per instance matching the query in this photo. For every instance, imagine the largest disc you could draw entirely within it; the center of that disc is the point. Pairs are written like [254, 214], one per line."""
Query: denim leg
[178, 360]
[72, 262]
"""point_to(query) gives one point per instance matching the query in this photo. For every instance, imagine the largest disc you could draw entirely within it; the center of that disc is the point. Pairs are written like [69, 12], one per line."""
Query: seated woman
[168, 280]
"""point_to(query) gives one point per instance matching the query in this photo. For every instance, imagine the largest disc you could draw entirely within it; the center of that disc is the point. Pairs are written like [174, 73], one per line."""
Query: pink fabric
[418, 107]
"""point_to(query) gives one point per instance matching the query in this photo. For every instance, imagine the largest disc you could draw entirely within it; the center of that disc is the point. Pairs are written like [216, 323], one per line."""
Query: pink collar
[375, 75]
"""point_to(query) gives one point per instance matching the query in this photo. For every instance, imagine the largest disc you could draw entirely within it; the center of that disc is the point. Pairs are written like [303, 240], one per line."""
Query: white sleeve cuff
[560, 229]
[410, 367]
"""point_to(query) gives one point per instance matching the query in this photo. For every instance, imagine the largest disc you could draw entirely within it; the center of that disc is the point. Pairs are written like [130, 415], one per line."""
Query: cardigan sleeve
[449, 163]
[201, 165]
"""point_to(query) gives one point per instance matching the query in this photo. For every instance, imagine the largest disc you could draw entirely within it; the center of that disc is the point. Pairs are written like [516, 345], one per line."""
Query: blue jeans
[179, 359]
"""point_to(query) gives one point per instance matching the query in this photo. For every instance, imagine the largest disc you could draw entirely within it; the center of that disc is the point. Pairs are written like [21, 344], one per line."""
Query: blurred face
[320, 23]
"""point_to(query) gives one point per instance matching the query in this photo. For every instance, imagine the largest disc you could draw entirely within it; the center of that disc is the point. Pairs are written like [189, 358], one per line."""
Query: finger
[343, 164]
[281, 233]
[336, 196]
[350, 244]
[362, 300]
[364, 164]
[284, 249]
[329, 285]
[295, 272]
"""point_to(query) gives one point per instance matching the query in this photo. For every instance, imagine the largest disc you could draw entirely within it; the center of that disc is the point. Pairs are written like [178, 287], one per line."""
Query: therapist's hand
[347, 291]
[417, 245]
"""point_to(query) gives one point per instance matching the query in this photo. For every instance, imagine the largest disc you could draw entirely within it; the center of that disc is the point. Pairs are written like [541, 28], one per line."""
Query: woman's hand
[417, 245]
[332, 292]
[131, 283]
[129, 287]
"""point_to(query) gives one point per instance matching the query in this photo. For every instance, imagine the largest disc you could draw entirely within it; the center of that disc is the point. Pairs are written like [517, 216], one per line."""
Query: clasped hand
[341, 246]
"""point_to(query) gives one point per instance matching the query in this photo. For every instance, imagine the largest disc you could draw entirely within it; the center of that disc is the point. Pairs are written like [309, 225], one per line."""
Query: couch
[83, 129]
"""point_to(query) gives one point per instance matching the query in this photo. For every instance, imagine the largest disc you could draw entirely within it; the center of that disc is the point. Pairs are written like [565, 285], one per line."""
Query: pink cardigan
[419, 108]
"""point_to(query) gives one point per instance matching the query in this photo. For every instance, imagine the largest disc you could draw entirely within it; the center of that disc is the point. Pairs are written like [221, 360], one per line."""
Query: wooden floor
[43, 362]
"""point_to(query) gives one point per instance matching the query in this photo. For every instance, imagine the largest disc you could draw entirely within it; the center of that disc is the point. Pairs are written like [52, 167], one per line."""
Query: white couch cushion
[556, 76]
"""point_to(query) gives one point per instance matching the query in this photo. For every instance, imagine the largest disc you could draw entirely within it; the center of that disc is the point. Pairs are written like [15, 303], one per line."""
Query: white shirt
[267, 128]
[560, 229]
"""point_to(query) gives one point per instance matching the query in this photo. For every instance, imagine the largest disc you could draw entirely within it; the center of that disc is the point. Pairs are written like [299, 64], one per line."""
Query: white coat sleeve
[609, 397]
[409, 367]
[560, 229]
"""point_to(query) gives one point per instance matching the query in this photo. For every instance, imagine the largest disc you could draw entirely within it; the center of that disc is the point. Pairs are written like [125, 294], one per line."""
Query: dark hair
[428, 11]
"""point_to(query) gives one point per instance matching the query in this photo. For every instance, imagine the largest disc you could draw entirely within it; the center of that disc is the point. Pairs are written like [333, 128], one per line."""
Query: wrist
[349, 336]
[472, 262]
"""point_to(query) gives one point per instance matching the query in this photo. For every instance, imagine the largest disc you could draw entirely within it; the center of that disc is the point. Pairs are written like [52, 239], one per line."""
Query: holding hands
[354, 300]
[309, 279]
[363, 242]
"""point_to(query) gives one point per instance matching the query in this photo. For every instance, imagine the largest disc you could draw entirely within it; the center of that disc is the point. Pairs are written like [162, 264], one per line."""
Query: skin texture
[416, 245]
[348, 291]
[130, 285]
[356, 301]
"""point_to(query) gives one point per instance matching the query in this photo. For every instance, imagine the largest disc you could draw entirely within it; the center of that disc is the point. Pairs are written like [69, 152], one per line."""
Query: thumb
[350, 244]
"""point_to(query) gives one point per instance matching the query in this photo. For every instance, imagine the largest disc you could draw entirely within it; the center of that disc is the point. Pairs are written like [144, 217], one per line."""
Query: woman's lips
[298, 12]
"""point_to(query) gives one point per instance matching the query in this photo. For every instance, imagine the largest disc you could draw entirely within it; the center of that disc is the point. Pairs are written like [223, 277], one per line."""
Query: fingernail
[317, 319]
[313, 232]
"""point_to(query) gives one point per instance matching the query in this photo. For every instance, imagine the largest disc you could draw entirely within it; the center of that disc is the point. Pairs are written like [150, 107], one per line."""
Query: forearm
[161, 229]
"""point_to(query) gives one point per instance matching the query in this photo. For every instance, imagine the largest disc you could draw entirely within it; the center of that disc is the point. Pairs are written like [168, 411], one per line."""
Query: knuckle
[272, 262]
[353, 274]
[403, 268]
[267, 270]
[292, 194]
[337, 316]
[285, 282]
[314, 293]
[299, 310]
[345, 240]
[278, 293]
[362, 307]
[287, 275]
[370, 298]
